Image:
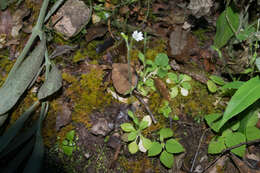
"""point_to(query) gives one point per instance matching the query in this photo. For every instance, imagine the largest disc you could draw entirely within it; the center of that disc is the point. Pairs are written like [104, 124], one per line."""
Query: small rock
[71, 17]
[120, 78]
[63, 117]
[101, 127]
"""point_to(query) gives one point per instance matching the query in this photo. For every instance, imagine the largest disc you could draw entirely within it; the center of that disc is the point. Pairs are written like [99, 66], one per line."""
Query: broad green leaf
[173, 146]
[143, 124]
[165, 133]
[225, 21]
[162, 72]
[127, 127]
[133, 147]
[20, 77]
[212, 86]
[147, 143]
[233, 85]
[216, 145]
[70, 135]
[132, 136]
[174, 92]
[246, 33]
[186, 85]
[236, 138]
[161, 60]
[156, 148]
[249, 117]
[252, 133]
[184, 78]
[173, 77]
[52, 84]
[218, 80]
[257, 63]
[167, 159]
[246, 95]
[235, 126]
[213, 120]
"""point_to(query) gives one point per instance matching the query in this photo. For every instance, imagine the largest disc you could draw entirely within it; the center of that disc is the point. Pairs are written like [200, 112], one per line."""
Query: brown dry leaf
[5, 22]
[161, 87]
[120, 78]
[95, 32]
[243, 168]
[63, 117]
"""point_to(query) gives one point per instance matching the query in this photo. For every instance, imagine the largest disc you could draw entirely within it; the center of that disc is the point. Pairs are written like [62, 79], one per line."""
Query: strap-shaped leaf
[245, 96]
[52, 84]
[14, 129]
[20, 78]
[35, 161]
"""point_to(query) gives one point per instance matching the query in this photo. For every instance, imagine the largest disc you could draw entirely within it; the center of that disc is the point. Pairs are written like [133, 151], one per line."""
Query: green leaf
[70, 135]
[218, 80]
[127, 127]
[252, 133]
[213, 120]
[212, 86]
[233, 85]
[173, 77]
[257, 63]
[216, 145]
[20, 77]
[147, 143]
[133, 147]
[235, 126]
[246, 95]
[141, 58]
[67, 150]
[134, 118]
[165, 133]
[52, 84]
[186, 85]
[156, 148]
[173, 146]
[143, 124]
[174, 92]
[132, 136]
[162, 72]
[167, 159]
[236, 138]
[225, 21]
[161, 60]
[184, 78]
[4, 4]
[16, 127]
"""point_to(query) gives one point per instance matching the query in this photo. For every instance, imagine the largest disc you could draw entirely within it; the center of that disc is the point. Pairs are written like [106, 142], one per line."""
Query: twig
[230, 148]
[145, 105]
[195, 157]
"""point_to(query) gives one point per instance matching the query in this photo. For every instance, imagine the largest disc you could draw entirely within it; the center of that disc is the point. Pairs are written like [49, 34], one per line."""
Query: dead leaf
[120, 78]
[63, 117]
[161, 87]
[5, 22]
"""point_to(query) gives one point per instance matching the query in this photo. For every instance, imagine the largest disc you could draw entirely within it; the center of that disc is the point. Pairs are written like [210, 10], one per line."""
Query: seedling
[135, 133]
[213, 82]
[180, 82]
[68, 144]
[166, 111]
[167, 148]
[151, 69]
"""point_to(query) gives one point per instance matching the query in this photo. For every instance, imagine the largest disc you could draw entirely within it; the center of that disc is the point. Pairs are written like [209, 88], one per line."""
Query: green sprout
[166, 147]
[68, 144]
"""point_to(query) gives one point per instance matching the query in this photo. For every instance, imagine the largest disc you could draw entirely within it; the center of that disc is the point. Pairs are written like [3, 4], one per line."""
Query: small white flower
[148, 119]
[138, 36]
[168, 81]
[184, 92]
[141, 147]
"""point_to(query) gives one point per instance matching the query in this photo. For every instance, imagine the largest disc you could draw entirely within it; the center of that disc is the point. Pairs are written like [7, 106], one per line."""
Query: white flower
[141, 147]
[138, 36]
[184, 92]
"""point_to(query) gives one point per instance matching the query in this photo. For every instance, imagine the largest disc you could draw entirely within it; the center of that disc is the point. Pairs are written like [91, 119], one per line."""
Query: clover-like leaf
[133, 147]
[173, 146]
[156, 148]
[127, 127]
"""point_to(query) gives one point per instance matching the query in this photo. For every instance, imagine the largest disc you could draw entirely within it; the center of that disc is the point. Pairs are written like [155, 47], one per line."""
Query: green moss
[158, 46]
[88, 94]
[200, 34]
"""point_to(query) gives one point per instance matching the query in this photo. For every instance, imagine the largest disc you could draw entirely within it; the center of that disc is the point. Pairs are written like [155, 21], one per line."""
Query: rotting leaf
[20, 78]
[52, 84]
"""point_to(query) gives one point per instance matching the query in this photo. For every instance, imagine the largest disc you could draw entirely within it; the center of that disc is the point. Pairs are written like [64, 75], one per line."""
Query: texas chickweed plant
[135, 136]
